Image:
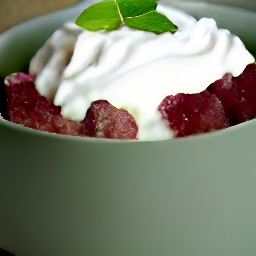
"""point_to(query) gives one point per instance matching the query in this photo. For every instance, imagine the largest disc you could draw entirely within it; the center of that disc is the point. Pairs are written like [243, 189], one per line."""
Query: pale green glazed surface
[70, 196]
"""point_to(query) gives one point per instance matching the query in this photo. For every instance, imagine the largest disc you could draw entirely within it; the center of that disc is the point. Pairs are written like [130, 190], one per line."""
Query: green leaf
[132, 8]
[100, 16]
[137, 14]
[152, 22]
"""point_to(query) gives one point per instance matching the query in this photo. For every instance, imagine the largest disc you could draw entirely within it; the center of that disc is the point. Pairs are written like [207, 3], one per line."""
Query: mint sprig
[137, 14]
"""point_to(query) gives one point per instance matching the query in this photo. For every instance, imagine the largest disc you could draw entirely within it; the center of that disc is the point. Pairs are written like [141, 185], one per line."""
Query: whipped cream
[136, 70]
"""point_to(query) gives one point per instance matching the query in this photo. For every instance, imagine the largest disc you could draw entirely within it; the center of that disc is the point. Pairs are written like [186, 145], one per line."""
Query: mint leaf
[152, 22]
[137, 14]
[132, 8]
[100, 16]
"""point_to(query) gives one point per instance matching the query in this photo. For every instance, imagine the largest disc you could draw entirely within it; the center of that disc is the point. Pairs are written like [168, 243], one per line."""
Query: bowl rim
[196, 138]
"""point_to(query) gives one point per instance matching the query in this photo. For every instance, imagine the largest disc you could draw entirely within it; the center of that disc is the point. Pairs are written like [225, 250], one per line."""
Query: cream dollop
[136, 70]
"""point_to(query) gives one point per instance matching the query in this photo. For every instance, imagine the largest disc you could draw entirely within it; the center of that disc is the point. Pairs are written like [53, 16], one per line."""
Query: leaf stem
[119, 11]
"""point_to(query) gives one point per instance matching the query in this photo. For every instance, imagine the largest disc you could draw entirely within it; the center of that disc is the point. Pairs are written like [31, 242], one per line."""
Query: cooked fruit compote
[133, 84]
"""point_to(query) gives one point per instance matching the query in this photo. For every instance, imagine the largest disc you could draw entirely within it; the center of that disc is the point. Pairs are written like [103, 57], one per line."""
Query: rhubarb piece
[189, 114]
[237, 95]
[103, 120]
[28, 108]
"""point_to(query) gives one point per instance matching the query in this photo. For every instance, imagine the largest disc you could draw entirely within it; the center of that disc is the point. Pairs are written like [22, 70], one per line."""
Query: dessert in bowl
[71, 195]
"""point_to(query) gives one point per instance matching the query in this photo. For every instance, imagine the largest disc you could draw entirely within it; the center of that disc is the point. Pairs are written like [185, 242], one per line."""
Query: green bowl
[62, 195]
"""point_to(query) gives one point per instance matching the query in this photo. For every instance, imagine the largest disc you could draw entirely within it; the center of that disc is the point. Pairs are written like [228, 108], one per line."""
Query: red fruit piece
[237, 95]
[189, 114]
[28, 108]
[103, 120]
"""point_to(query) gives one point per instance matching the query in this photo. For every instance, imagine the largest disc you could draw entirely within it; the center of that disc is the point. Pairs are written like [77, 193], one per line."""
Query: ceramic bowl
[62, 195]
